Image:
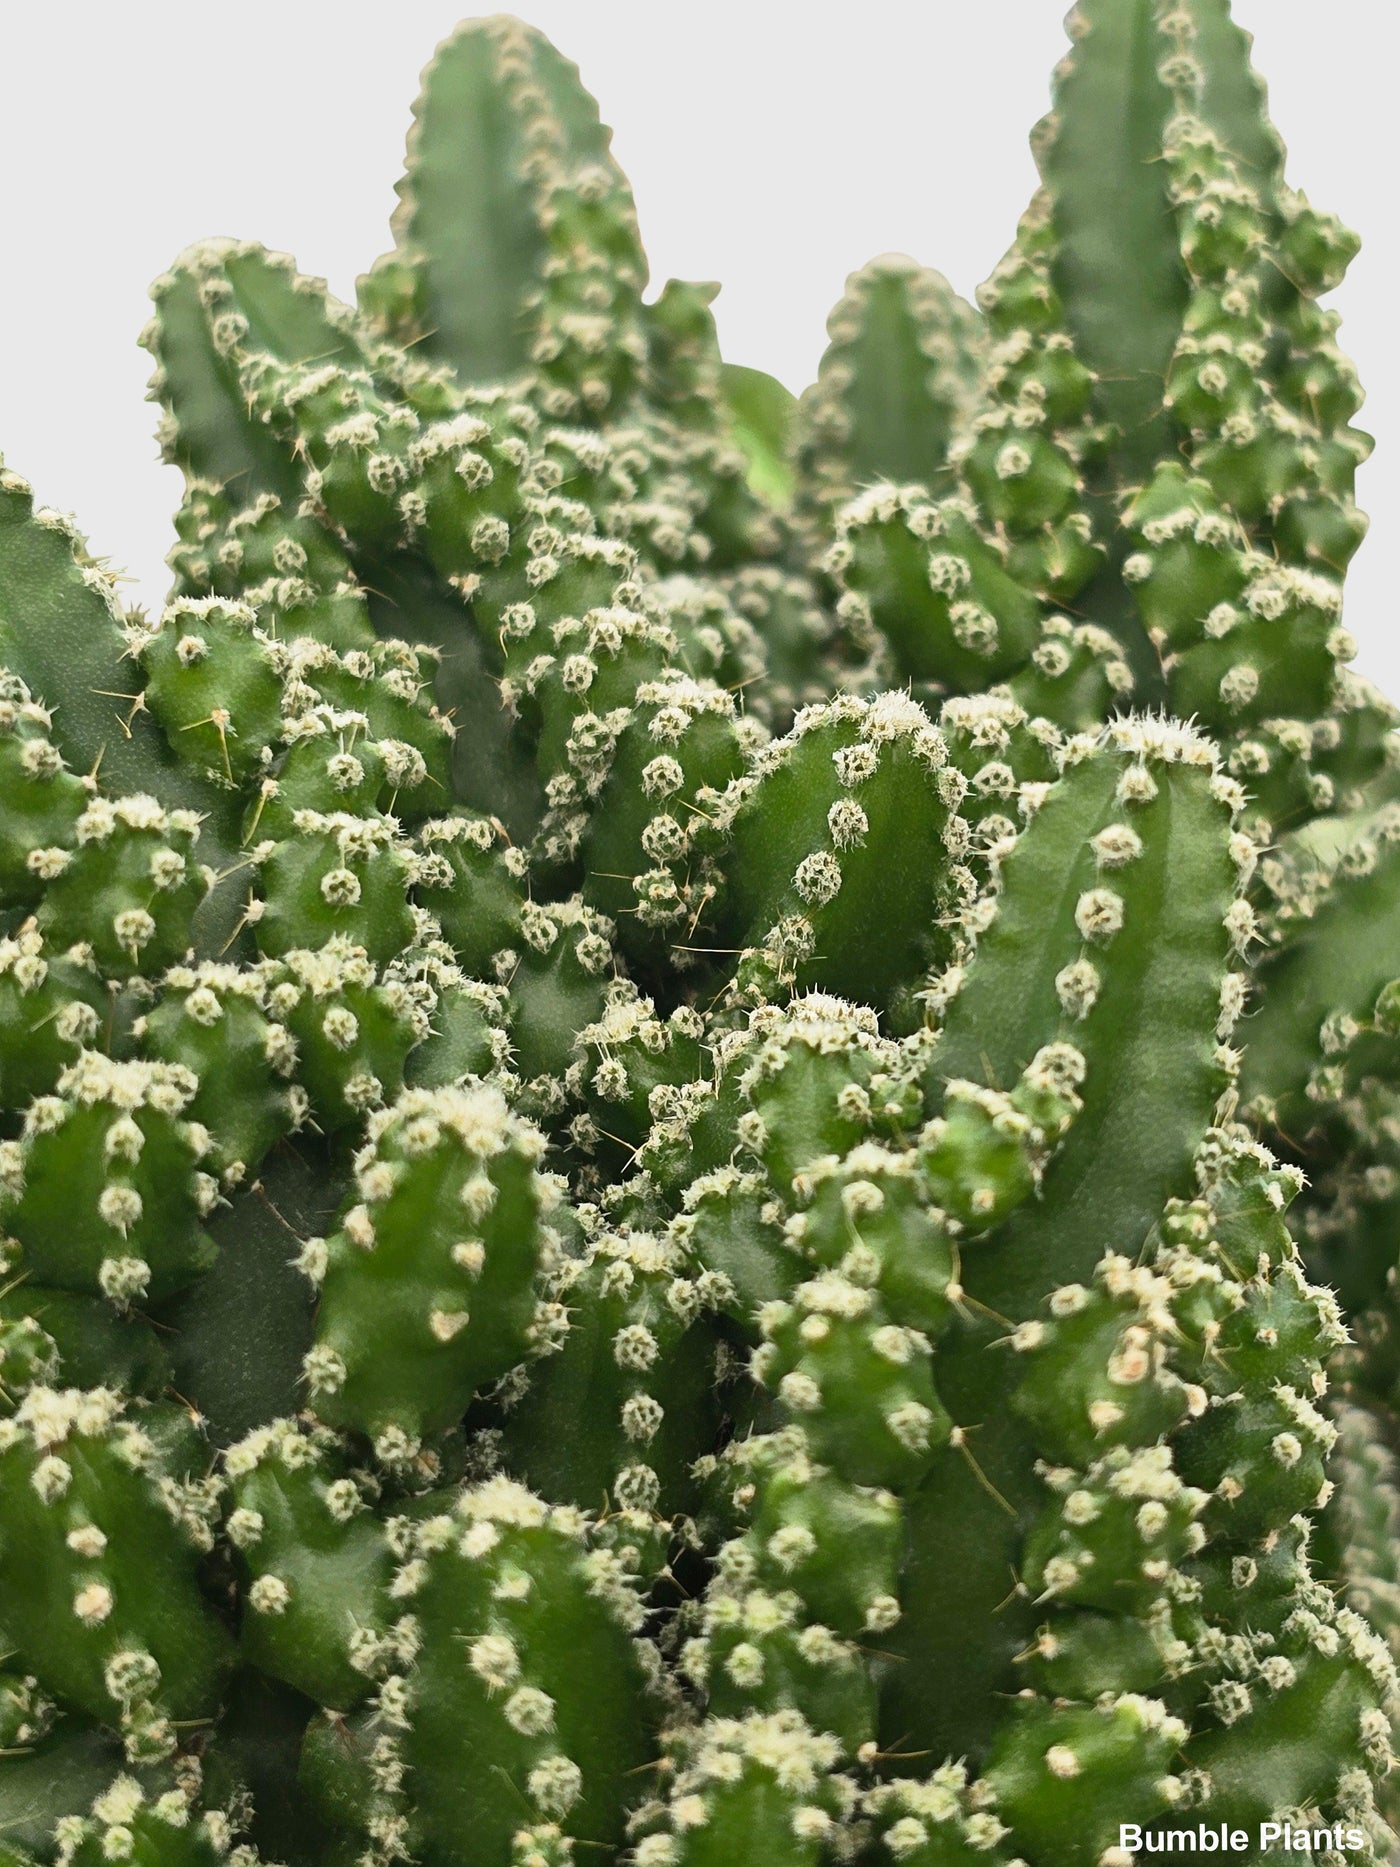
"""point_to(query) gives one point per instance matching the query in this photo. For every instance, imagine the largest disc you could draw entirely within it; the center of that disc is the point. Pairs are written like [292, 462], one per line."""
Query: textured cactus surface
[700, 1091]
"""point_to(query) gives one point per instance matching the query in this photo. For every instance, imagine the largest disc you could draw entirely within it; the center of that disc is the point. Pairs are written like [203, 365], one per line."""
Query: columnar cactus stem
[218, 300]
[103, 1531]
[427, 1288]
[504, 134]
[898, 381]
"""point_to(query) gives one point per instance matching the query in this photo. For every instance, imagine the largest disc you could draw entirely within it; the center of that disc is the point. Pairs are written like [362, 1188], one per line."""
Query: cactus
[637, 1217]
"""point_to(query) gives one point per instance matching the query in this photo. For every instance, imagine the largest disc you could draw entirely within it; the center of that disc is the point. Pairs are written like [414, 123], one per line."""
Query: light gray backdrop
[772, 145]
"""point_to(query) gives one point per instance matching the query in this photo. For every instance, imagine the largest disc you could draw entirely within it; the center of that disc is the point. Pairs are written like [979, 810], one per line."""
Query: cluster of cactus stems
[700, 1094]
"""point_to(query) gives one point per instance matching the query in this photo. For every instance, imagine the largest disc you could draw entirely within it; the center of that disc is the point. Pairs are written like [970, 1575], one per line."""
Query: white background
[772, 145]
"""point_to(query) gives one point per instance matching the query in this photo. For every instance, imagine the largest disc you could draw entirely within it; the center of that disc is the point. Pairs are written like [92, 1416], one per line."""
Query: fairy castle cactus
[700, 1092]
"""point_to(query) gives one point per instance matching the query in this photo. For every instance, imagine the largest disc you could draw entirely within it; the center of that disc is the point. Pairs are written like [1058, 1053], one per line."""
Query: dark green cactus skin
[102, 1535]
[638, 1222]
[503, 125]
[902, 374]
